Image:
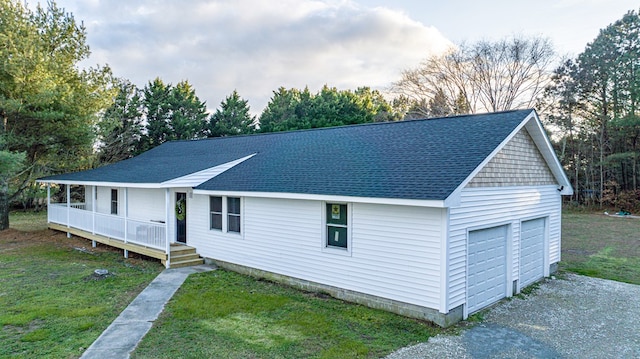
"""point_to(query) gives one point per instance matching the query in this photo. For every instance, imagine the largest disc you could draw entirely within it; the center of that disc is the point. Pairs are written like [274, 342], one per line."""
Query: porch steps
[183, 256]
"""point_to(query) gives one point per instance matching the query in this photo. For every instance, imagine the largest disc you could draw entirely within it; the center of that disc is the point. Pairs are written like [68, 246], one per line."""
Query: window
[233, 214]
[215, 207]
[114, 201]
[336, 225]
[221, 207]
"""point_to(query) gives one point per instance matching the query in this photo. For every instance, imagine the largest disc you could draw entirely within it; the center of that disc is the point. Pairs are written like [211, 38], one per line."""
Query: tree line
[56, 117]
[592, 107]
[140, 119]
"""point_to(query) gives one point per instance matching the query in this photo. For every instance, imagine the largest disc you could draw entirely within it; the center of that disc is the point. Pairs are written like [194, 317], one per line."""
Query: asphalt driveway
[573, 317]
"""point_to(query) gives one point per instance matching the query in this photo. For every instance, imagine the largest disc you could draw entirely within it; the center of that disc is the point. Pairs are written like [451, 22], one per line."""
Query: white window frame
[239, 215]
[112, 202]
[225, 217]
[221, 213]
[323, 244]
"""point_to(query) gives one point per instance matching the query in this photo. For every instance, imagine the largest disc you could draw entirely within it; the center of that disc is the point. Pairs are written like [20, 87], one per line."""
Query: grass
[601, 246]
[28, 221]
[51, 304]
[227, 315]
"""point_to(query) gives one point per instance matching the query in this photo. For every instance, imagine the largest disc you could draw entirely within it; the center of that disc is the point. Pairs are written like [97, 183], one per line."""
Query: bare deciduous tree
[485, 76]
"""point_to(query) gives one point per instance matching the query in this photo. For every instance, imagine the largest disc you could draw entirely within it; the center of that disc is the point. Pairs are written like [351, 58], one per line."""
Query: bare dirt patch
[13, 239]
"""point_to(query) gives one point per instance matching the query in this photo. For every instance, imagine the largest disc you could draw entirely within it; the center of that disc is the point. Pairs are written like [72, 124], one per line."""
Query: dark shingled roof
[419, 159]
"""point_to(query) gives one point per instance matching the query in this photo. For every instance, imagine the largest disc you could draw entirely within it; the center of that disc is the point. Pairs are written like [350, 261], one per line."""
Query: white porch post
[126, 214]
[93, 213]
[48, 201]
[68, 208]
[167, 202]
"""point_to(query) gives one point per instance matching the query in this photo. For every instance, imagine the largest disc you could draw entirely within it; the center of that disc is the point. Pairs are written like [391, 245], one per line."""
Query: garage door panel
[532, 234]
[487, 258]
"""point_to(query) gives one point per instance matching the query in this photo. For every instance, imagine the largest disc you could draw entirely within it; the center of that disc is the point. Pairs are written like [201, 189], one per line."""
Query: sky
[257, 46]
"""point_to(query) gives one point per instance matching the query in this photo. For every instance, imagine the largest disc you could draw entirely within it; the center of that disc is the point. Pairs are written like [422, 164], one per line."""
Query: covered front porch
[82, 214]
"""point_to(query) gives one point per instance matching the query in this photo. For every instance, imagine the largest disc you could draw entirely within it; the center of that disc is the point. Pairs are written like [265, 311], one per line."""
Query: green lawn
[222, 314]
[601, 246]
[51, 305]
[28, 221]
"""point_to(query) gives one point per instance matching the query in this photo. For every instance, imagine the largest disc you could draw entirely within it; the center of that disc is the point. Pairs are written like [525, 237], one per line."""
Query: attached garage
[487, 270]
[532, 238]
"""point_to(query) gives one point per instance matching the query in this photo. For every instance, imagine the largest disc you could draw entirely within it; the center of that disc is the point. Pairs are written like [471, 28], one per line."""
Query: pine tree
[232, 118]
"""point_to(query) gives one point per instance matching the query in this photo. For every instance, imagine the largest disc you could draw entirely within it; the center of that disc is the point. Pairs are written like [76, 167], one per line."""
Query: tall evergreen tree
[188, 114]
[120, 128]
[280, 113]
[172, 113]
[48, 105]
[232, 118]
[157, 110]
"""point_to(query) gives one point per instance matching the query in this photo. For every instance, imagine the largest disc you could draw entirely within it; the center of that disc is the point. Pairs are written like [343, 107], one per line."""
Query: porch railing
[147, 233]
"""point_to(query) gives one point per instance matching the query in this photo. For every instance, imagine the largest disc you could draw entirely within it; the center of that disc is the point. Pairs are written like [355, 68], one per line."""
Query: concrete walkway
[124, 334]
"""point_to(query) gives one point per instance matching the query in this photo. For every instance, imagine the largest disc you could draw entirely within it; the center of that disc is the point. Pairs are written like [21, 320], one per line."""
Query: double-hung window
[336, 218]
[215, 207]
[233, 214]
[114, 201]
[225, 214]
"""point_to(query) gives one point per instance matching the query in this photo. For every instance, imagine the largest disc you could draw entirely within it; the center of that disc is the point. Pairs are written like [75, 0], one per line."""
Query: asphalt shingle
[419, 159]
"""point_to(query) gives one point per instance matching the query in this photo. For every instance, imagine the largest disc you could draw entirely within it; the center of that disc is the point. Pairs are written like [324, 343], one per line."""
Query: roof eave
[327, 197]
[101, 183]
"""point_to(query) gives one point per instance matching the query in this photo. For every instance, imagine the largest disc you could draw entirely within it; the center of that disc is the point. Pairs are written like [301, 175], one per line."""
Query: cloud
[254, 46]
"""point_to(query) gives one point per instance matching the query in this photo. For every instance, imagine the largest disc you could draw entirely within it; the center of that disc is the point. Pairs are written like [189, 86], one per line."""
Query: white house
[434, 219]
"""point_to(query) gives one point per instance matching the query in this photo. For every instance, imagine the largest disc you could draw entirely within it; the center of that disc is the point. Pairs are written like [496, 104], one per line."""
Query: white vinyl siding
[486, 207]
[103, 203]
[146, 204]
[89, 197]
[395, 249]
[143, 204]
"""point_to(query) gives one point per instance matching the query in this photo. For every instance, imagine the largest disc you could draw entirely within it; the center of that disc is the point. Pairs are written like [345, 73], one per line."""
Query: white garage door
[487, 259]
[531, 251]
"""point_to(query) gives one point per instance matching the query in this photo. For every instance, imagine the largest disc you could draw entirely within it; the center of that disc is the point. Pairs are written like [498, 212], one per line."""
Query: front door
[181, 217]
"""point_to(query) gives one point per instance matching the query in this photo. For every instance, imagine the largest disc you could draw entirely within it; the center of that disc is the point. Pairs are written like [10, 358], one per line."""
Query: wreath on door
[181, 210]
